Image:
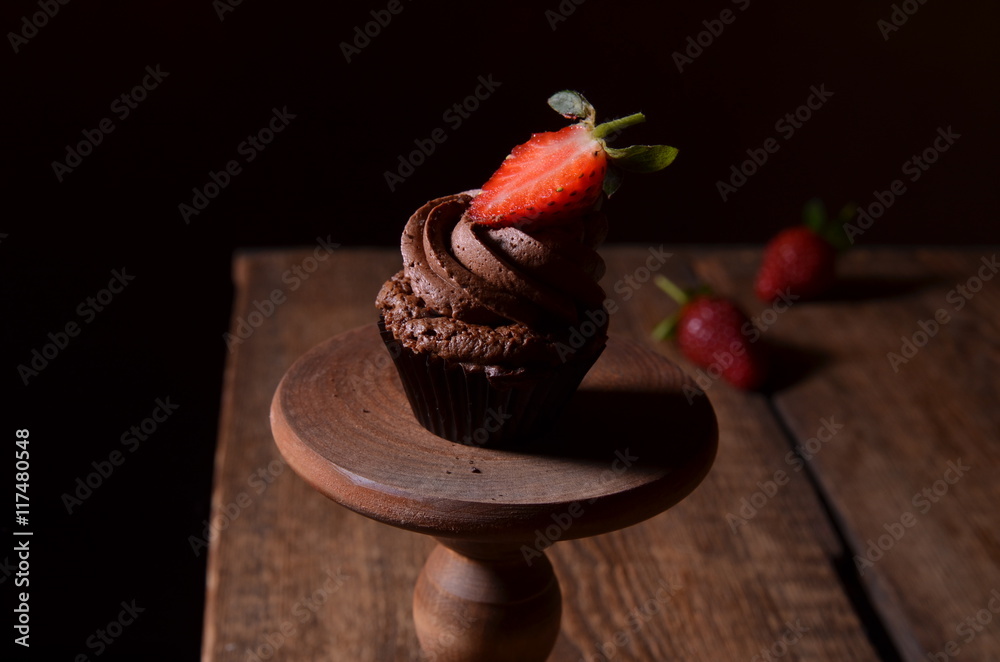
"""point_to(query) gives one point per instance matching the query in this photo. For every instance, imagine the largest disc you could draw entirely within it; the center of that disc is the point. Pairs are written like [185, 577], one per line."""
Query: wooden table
[875, 540]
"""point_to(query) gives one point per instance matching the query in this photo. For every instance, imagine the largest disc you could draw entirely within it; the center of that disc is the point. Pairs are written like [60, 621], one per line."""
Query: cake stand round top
[636, 438]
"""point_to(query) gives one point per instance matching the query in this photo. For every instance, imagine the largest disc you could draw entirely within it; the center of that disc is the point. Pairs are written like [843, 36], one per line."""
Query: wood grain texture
[689, 585]
[911, 475]
[693, 583]
[489, 609]
[342, 421]
[290, 565]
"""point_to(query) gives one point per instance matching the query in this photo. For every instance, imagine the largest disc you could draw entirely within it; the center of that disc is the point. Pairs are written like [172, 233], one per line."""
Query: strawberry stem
[666, 328]
[614, 126]
[668, 286]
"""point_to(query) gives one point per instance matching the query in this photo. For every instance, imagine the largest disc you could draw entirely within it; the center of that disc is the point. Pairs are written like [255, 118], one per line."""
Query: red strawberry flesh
[554, 176]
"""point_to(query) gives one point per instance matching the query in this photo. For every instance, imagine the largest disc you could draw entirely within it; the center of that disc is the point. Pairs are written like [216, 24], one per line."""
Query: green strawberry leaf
[836, 234]
[572, 105]
[832, 231]
[847, 213]
[814, 215]
[612, 180]
[642, 158]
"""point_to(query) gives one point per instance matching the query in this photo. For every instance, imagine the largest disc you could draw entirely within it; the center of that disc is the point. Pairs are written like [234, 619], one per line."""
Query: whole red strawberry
[796, 261]
[714, 333]
[800, 262]
[559, 175]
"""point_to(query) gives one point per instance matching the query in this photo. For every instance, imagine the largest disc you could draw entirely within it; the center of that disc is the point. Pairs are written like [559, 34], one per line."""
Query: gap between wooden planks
[906, 359]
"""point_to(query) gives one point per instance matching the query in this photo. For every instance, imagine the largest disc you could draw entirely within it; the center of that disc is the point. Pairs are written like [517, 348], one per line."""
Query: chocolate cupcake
[497, 314]
[492, 329]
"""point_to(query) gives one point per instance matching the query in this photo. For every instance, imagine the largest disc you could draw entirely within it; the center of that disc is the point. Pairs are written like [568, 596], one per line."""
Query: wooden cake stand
[636, 438]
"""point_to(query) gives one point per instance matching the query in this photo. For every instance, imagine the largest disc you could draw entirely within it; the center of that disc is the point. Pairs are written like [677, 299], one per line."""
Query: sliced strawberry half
[559, 175]
[553, 176]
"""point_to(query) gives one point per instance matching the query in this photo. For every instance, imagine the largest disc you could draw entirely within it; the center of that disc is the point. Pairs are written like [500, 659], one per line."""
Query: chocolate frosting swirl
[542, 278]
[498, 298]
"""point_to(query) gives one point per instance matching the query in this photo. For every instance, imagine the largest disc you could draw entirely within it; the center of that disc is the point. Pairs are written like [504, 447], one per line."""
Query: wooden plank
[685, 585]
[293, 576]
[756, 582]
[911, 475]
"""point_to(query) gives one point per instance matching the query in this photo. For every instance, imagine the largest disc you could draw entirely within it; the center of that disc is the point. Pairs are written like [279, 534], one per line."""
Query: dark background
[324, 175]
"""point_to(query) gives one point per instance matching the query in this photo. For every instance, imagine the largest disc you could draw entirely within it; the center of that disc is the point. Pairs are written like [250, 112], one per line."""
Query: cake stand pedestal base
[486, 605]
[636, 438]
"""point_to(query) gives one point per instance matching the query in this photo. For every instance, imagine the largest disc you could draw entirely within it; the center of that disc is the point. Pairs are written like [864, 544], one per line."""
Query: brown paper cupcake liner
[468, 406]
